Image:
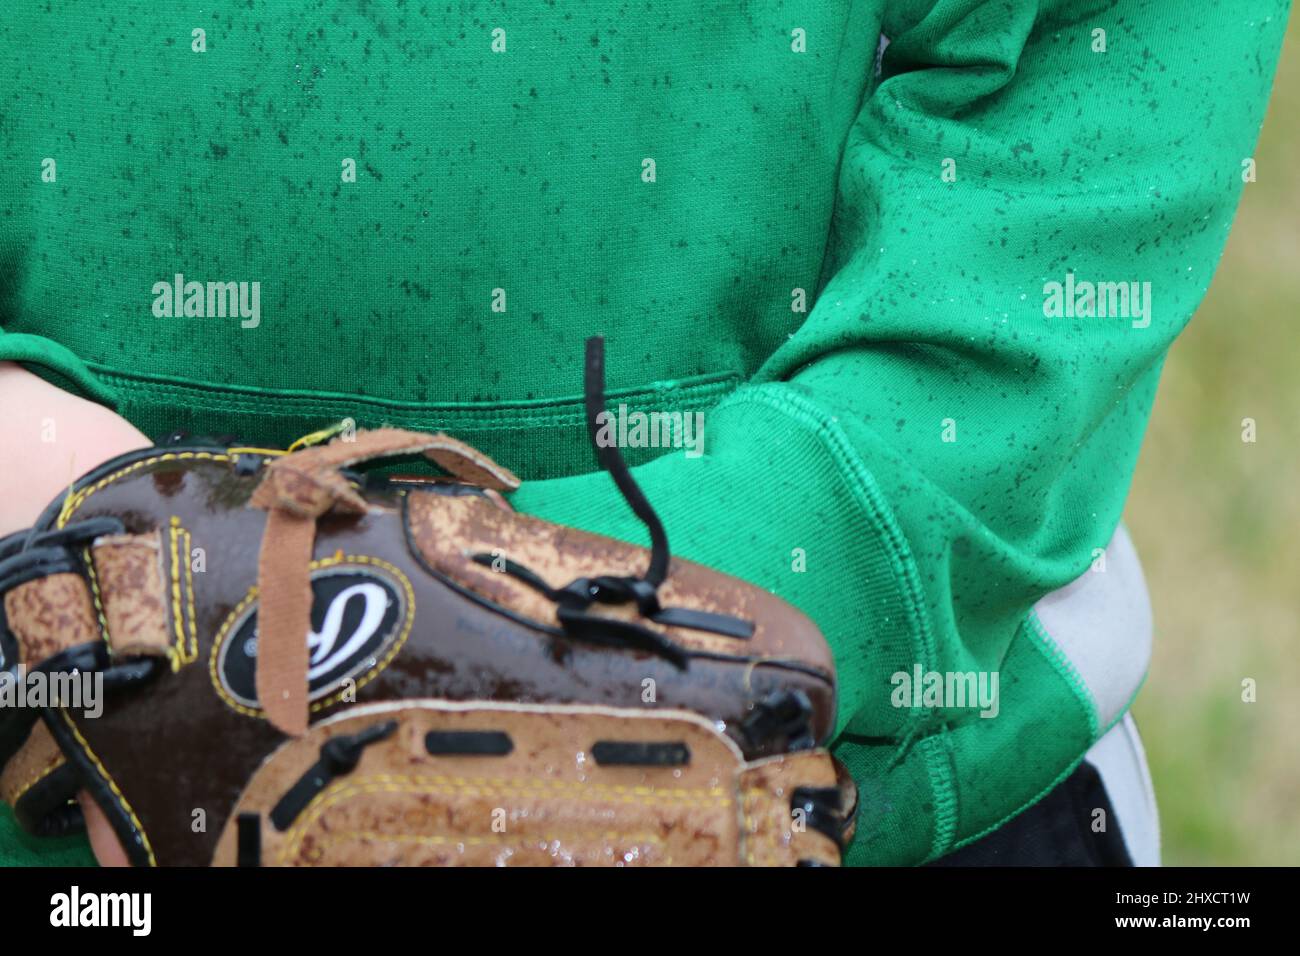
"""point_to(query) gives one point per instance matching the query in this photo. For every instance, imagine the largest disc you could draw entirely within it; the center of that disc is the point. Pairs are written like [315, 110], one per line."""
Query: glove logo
[359, 617]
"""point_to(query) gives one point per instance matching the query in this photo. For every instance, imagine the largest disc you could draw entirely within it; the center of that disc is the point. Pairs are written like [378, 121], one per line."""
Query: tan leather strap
[49, 615]
[297, 489]
[125, 603]
[129, 573]
[310, 482]
[284, 619]
[37, 758]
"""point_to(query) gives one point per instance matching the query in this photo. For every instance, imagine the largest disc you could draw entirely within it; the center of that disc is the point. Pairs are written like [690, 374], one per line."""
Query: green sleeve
[18, 849]
[931, 452]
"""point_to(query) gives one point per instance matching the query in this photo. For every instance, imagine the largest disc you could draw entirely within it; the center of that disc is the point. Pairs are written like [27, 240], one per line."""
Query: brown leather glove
[476, 685]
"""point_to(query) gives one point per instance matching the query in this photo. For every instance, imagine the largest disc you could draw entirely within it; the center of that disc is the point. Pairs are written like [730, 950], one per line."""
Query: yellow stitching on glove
[316, 437]
[112, 785]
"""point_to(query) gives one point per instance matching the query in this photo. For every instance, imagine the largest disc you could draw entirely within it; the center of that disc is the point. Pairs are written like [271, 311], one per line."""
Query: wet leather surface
[176, 746]
[548, 800]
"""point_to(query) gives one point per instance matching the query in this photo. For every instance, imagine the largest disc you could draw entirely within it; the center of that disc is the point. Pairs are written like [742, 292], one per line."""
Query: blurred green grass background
[1217, 523]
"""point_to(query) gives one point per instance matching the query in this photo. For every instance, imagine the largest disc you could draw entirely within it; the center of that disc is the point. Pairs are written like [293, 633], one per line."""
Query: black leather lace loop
[338, 756]
[612, 461]
[576, 598]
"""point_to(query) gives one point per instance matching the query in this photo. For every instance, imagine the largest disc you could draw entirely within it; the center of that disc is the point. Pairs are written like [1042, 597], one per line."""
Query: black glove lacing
[576, 598]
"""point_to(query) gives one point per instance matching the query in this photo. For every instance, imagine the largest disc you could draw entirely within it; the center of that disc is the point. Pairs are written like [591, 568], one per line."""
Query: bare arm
[48, 438]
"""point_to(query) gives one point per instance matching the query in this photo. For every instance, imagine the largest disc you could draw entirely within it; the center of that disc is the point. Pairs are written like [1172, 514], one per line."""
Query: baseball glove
[476, 686]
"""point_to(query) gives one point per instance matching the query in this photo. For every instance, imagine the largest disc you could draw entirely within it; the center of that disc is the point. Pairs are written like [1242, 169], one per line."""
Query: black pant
[1055, 831]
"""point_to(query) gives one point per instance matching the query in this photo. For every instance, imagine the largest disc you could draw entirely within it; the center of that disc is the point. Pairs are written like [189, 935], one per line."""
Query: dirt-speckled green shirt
[918, 263]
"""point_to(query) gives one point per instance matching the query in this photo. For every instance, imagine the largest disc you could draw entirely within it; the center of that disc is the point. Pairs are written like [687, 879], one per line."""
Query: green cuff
[56, 364]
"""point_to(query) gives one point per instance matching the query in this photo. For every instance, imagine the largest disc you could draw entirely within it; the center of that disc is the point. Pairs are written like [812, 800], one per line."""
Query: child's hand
[48, 438]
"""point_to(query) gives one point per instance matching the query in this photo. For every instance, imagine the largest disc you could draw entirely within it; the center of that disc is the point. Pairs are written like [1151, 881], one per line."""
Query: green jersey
[915, 264]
